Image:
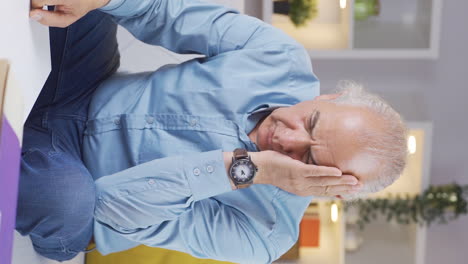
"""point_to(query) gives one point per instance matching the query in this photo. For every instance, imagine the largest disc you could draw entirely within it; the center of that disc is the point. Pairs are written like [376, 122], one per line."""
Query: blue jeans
[56, 191]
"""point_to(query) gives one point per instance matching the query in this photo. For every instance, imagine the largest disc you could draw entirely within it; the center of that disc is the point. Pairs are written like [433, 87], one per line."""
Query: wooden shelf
[383, 242]
[405, 29]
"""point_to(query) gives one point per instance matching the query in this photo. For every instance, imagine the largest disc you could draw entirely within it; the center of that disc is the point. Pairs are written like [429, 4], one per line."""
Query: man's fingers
[52, 19]
[343, 189]
[332, 180]
[314, 171]
[41, 3]
[335, 190]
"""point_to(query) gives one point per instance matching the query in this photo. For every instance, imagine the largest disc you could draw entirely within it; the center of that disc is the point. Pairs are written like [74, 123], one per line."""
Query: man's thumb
[51, 18]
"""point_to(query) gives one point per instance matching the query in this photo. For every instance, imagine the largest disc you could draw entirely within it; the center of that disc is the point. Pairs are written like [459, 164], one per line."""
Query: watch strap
[240, 153]
[245, 185]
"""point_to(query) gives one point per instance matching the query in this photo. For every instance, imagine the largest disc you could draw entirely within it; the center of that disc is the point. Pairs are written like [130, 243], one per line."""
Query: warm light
[453, 198]
[334, 213]
[343, 4]
[412, 144]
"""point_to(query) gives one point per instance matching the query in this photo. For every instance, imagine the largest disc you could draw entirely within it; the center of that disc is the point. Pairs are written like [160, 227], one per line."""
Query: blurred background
[413, 54]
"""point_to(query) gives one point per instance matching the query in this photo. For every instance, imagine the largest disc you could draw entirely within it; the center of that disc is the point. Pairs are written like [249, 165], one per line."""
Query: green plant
[438, 204]
[301, 11]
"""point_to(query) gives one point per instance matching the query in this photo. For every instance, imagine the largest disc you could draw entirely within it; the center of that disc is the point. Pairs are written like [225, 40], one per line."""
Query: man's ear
[327, 97]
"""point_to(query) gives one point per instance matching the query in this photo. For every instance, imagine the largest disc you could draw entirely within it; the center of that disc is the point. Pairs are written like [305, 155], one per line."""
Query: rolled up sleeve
[190, 26]
[170, 203]
[159, 190]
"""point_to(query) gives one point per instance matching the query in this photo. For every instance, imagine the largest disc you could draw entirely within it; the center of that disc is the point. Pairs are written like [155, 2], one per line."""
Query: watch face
[242, 171]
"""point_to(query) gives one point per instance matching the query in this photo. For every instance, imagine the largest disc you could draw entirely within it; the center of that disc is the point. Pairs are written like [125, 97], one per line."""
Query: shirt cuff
[206, 174]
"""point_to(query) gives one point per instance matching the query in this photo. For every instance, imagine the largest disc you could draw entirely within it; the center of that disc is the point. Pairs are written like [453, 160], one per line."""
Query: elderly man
[217, 157]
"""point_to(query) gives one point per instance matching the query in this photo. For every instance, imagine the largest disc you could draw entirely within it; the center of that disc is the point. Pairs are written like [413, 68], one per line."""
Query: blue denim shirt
[154, 140]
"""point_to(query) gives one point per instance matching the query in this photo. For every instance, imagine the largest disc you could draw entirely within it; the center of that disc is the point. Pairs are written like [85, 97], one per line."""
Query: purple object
[10, 151]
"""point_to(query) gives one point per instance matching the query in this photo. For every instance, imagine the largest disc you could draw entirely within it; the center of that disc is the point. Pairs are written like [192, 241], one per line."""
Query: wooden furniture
[147, 255]
[403, 29]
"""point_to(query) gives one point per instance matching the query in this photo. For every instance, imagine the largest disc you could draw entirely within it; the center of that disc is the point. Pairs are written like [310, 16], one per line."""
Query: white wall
[427, 90]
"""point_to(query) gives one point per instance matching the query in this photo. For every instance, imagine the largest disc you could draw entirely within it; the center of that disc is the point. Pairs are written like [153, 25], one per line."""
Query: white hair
[388, 145]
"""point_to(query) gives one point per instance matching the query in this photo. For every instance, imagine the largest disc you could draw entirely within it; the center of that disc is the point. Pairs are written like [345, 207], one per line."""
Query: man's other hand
[301, 179]
[66, 11]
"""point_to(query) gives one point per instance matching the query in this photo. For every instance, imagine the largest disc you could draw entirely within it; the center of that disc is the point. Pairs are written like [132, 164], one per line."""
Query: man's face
[323, 133]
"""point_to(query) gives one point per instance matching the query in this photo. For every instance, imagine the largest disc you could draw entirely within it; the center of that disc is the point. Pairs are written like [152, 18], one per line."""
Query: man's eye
[310, 159]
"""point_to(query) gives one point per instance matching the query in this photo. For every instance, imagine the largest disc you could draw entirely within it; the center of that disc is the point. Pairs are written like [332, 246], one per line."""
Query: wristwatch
[242, 170]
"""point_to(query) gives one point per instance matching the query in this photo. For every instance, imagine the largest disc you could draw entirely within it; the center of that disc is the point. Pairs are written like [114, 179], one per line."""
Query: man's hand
[66, 12]
[299, 178]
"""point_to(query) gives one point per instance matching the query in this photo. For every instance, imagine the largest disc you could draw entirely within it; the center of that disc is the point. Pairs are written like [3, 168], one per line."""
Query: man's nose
[293, 142]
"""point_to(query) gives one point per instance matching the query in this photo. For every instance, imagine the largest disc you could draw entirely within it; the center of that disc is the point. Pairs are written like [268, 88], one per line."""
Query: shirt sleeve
[210, 229]
[159, 190]
[170, 203]
[190, 26]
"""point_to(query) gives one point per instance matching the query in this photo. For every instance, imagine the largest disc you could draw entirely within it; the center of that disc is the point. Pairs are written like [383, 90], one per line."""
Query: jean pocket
[36, 140]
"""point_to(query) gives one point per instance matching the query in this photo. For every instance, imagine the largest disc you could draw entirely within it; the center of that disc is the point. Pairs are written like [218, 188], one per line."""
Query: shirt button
[150, 119]
[209, 168]
[117, 121]
[151, 182]
[193, 122]
[196, 171]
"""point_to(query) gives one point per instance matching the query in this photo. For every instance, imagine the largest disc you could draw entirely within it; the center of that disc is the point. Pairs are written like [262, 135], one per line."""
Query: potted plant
[299, 11]
[363, 9]
[437, 204]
